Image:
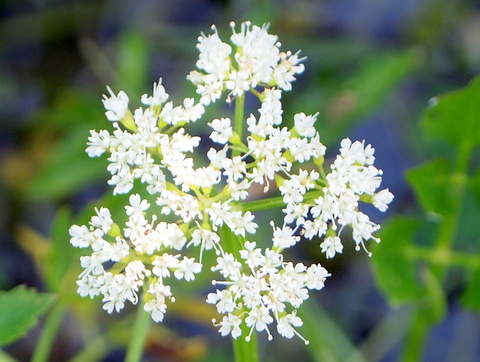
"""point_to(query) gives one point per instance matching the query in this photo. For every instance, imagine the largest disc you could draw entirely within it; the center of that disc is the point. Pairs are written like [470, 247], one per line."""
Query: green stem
[444, 258]
[138, 336]
[94, 350]
[264, 204]
[238, 122]
[275, 202]
[49, 332]
[5, 357]
[245, 351]
[416, 337]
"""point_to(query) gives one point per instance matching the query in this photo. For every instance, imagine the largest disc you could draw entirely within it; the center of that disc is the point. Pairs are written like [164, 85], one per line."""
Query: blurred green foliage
[409, 272]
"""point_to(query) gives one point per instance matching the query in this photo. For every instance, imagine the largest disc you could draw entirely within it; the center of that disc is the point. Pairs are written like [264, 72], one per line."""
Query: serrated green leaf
[395, 271]
[471, 296]
[432, 186]
[455, 117]
[19, 310]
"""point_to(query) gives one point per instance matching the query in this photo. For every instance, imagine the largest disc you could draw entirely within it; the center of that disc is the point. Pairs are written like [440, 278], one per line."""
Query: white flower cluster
[150, 146]
[138, 251]
[353, 178]
[257, 61]
[262, 285]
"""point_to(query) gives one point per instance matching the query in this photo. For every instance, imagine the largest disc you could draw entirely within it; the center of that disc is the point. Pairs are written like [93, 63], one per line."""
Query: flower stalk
[246, 351]
[139, 335]
[239, 121]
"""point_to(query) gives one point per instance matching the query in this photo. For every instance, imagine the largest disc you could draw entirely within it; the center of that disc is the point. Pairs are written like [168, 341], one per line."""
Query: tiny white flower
[103, 219]
[116, 105]
[81, 237]
[222, 130]
[98, 143]
[253, 256]
[230, 324]
[331, 246]
[381, 199]
[305, 124]
[228, 266]
[259, 318]
[137, 205]
[316, 275]
[284, 238]
[286, 323]
[187, 268]
[223, 300]
[159, 95]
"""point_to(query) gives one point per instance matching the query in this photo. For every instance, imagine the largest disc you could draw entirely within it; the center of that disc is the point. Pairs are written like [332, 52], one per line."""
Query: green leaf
[68, 168]
[386, 334]
[60, 255]
[475, 186]
[327, 341]
[133, 63]
[471, 296]
[72, 108]
[4, 357]
[19, 310]
[455, 117]
[377, 77]
[434, 302]
[432, 185]
[395, 271]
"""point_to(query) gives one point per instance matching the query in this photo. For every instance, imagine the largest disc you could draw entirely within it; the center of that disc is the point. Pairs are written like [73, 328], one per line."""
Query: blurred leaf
[328, 343]
[432, 186]
[73, 108]
[32, 242]
[60, 254]
[133, 63]
[455, 117]
[68, 169]
[4, 357]
[434, 303]
[373, 82]
[471, 296]
[19, 310]
[395, 272]
[475, 186]
[342, 103]
[386, 334]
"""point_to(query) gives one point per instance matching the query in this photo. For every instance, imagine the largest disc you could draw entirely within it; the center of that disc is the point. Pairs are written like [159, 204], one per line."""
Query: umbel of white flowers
[151, 147]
